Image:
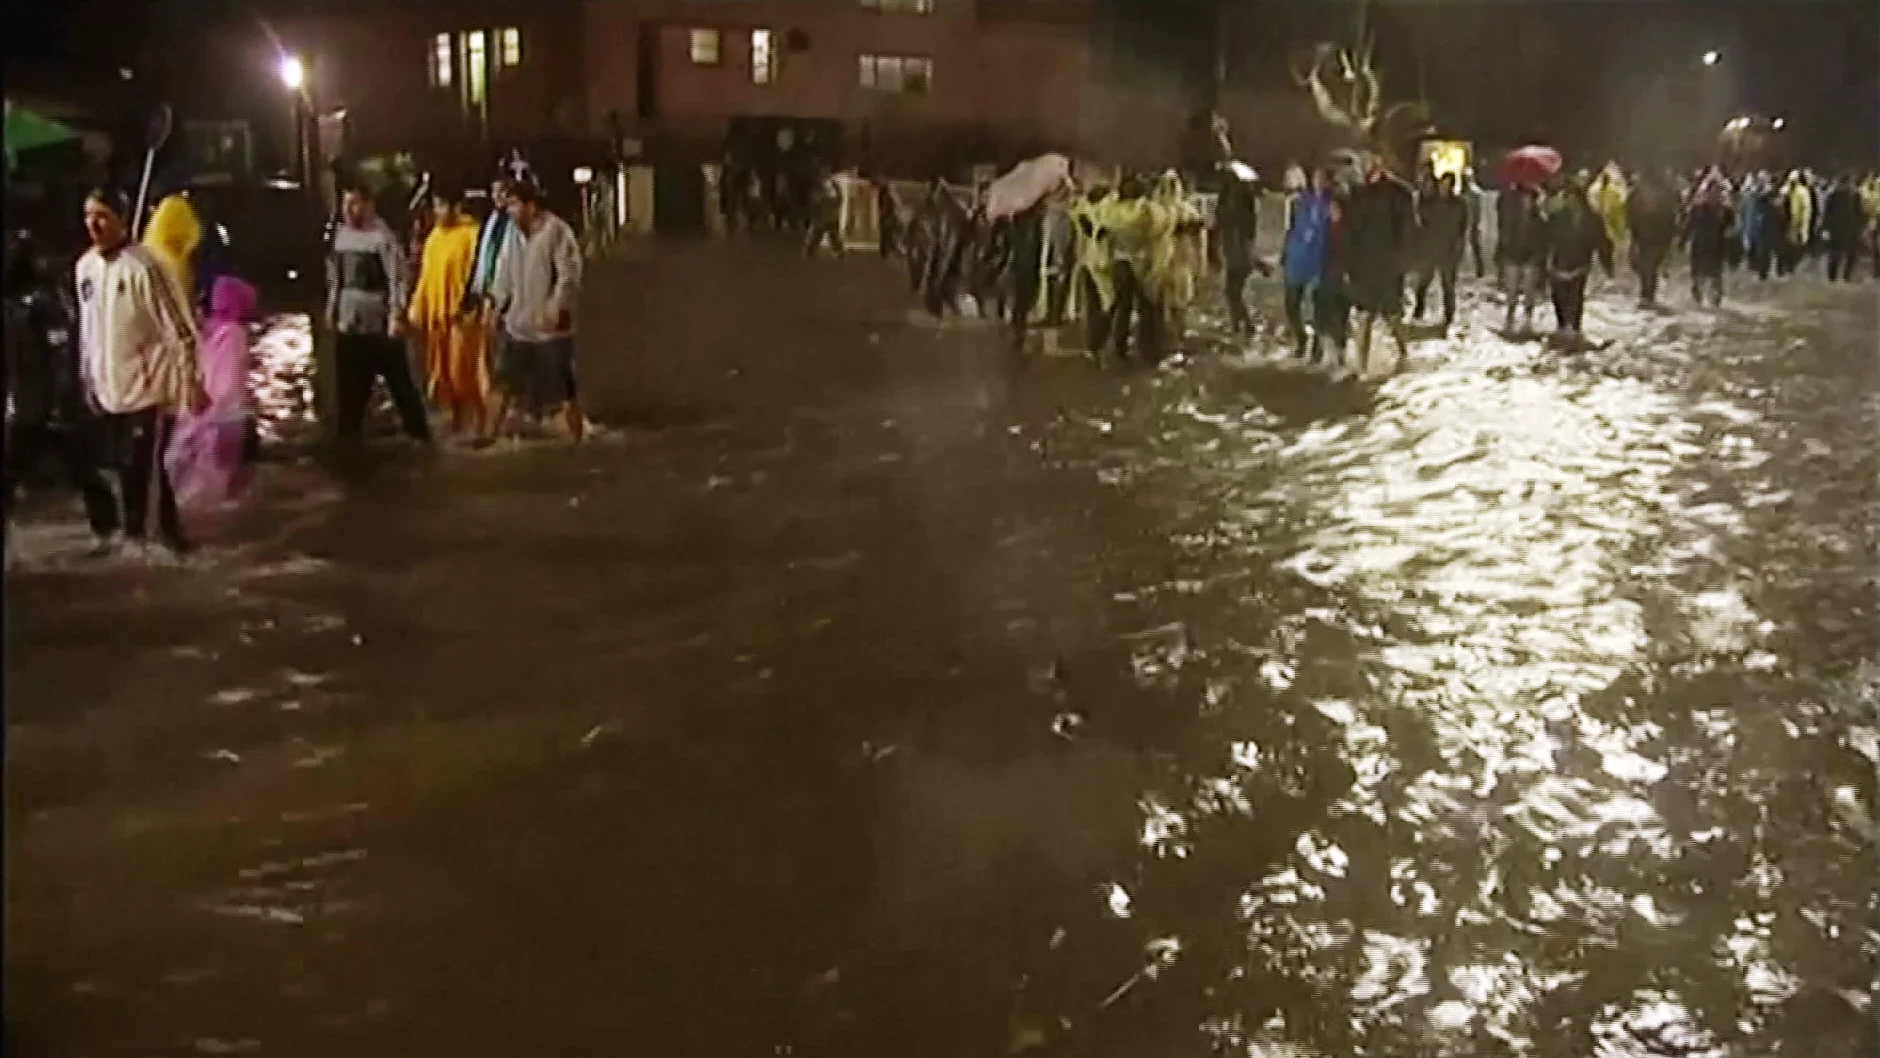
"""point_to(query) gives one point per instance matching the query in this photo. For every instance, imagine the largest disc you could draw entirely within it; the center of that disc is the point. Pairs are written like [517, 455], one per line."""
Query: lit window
[707, 47]
[509, 46]
[904, 74]
[441, 55]
[763, 56]
[476, 67]
[914, 7]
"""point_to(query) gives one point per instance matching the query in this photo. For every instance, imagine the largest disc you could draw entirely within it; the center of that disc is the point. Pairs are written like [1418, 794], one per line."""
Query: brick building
[987, 79]
[909, 84]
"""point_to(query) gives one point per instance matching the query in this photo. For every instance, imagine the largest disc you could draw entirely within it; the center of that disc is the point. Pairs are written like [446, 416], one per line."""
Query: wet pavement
[862, 693]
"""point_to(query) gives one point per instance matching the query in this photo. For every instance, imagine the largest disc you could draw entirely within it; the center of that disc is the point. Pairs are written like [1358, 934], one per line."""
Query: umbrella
[29, 131]
[1531, 165]
[1020, 189]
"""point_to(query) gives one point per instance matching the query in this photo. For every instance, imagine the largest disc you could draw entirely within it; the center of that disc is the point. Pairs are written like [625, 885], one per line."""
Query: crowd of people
[1364, 249]
[130, 373]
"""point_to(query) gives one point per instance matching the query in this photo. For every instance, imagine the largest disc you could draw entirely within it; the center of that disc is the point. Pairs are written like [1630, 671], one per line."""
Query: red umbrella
[1530, 165]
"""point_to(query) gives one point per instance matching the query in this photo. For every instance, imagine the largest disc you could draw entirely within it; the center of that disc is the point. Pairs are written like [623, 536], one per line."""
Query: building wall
[377, 65]
[1013, 82]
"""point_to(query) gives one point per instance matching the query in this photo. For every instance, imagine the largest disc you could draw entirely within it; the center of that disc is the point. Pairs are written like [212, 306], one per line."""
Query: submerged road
[859, 694]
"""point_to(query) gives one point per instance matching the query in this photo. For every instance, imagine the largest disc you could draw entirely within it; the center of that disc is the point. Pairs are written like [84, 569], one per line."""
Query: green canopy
[27, 131]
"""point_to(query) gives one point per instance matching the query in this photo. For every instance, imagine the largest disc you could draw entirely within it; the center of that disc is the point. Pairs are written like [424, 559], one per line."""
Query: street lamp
[293, 74]
[1712, 57]
[1779, 124]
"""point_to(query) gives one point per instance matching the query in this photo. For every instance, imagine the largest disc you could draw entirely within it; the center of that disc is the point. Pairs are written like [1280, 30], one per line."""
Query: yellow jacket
[1870, 198]
[1174, 254]
[1608, 195]
[172, 238]
[1801, 205]
[443, 270]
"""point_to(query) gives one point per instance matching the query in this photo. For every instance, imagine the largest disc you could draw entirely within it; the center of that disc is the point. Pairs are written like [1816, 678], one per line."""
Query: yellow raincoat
[1801, 207]
[1090, 241]
[1870, 199]
[172, 238]
[1608, 195]
[456, 374]
[1175, 251]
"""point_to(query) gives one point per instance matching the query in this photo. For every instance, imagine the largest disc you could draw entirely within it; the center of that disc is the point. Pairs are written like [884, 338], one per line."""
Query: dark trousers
[1758, 257]
[1445, 273]
[1569, 294]
[1788, 257]
[1843, 252]
[76, 450]
[1648, 263]
[1296, 314]
[1135, 310]
[1239, 270]
[1331, 317]
[1021, 290]
[359, 360]
[1707, 281]
[824, 230]
[1096, 315]
[139, 439]
[1475, 250]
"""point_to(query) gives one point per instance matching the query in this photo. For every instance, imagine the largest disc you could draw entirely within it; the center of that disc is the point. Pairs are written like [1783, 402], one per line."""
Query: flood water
[859, 692]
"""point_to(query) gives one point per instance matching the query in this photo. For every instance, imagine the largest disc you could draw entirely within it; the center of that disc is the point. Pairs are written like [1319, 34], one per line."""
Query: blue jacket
[1304, 256]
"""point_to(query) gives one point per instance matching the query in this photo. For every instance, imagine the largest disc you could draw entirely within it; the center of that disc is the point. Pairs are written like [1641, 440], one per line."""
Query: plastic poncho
[1092, 251]
[173, 236]
[1800, 202]
[1174, 251]
[1870, 199]
[444, 270]
[205, 455]
[1608, 196]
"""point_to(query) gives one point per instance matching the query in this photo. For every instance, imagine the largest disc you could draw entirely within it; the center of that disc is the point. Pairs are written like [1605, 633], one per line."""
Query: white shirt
[136, 338]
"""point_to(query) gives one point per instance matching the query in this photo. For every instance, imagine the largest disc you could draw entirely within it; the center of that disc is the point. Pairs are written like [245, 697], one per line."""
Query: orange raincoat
[455, 365]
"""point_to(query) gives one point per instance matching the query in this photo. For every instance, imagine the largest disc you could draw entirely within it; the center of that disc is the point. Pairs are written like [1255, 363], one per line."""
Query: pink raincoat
[205, 457]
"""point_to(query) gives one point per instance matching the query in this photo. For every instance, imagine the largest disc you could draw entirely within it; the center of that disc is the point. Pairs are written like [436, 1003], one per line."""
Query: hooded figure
[1136, 222]
[172, 237]
[1798, 205]
[1093, 284]
[456, 371]
[1707, 223]
[1175, 260]
[1608, 194]
[1304, 258]
[1378, 224]
[1842, 216]
[1752, 211]
[1652, 219]
[209, 453]
[1237, 228]
[1574, 237]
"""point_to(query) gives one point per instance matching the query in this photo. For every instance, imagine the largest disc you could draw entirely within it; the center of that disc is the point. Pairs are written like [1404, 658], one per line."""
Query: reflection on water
[1560, 741]
[283, 377]
[1524, 706]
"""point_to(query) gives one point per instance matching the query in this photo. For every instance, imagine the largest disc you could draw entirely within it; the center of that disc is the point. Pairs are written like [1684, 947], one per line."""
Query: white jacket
[137, 338]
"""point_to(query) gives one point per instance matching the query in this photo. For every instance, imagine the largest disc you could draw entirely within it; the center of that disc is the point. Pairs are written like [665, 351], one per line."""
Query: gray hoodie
[367, 282]
[538, 280]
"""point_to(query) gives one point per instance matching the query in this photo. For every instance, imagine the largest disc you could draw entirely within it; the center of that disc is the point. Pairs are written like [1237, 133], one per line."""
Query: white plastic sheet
[1027, 183]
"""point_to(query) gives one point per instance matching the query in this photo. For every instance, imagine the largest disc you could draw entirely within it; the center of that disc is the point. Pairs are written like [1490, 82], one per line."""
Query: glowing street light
[293, 74]
[1712, 57]
[1779, 124]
